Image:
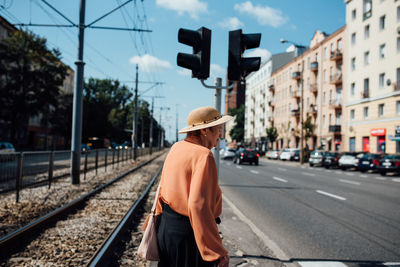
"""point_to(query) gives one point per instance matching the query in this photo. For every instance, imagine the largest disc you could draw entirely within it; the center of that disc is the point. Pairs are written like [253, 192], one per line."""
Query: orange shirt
[189, 185]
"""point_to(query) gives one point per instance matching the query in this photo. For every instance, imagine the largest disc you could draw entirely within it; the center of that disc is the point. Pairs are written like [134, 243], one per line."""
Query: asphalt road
[316, 215]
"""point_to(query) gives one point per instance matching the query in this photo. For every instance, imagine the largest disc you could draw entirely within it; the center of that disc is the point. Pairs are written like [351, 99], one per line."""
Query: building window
[382, 51]
[324, 98]
[382, 23]
[366, 88]
[353, 89]
[353, 63]
[398, 13]
[367, 9]
[398, 107]
[382, 80]
[366, 31]
[325, 76]
[398, 44]
[353, 14]
[366, 58]
[326, 52]
[330, 119]
[353, 38]
[365, 112]
[316, 57]
[381, 110]
[352, 114]
[339, 44]
[324, 121]
[332, 48]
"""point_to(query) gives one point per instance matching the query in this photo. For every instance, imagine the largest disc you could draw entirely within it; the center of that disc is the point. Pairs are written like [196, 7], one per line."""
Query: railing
[296, 75]
[336, 55]
[336, 78]
[295, 94]
[334, 128]
[295, 112]
[272, 87]
[314, 66]
[23, 169]
[365, 94]
[314, 88]
[335, 103]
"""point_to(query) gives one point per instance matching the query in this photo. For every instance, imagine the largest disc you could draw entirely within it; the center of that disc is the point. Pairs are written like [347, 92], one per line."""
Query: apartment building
[372, 99]
[315, 77]
[257, 113]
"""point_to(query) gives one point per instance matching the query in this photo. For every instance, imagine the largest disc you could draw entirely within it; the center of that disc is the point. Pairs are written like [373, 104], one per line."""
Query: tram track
[95, 213]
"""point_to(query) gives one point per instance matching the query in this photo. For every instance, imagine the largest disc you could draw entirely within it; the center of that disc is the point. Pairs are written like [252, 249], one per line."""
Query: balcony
[336, 78]
[262, 105]
[296, 113]
[296, 75]
[334, 128]
[314, 88]
[271, 119]
[272, 88]
[313, 110]
[314, 66]
[295, 94]
[271, 103]
[336, 55]
[335, 103]
[365, 94]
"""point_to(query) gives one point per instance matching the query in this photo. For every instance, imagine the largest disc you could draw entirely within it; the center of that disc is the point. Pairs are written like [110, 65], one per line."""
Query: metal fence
[25, 169]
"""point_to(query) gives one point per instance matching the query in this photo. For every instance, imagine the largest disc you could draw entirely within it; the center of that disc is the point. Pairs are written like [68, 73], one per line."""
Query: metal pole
[151, 126]
[77, 105]
[176, 123]
[217, 104]
[160, 132]
[134, 136]
[301, 115]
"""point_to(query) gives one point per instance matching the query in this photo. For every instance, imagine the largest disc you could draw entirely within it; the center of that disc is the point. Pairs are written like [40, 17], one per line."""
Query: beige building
[316, 77]
[372, 99]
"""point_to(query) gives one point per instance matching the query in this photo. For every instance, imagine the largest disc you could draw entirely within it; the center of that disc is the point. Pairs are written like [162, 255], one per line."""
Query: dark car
[330, 159]
[296, 156]
[389, 163]
[369, 162]
[246, 155]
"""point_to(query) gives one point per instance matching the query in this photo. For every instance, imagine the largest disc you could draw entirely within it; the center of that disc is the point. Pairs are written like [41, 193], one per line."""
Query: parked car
[316, 158]
[288, 154]
[273, 154]
[246, 155]
[6, 151]
[227, 153]
[369, 162]
[350, 160]
[389, 163]
[330, 159]
[296, 156]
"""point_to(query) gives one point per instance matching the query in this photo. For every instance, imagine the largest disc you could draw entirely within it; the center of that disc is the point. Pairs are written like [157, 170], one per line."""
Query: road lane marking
[363, 176]
[265, 239]
[396, 180]
[350, 174]
[349, 182]
[256, 172]
[328, 171]
[238, 167]
[279, 179]
[282, 169]
[329, 194]
[321, 264]
[380, 178]
[307, 173]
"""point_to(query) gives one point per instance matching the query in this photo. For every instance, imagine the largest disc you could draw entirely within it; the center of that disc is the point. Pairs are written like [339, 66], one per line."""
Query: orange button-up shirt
[189, 185]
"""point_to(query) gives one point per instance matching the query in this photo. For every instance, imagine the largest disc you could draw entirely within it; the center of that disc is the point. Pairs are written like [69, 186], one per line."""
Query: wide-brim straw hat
[204, 117]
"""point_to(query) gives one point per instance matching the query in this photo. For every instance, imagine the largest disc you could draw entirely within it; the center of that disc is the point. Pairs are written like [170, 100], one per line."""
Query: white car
[350, 160]
[288, 154]
[227, 153]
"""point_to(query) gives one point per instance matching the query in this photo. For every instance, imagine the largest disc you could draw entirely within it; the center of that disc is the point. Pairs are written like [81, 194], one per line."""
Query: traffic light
[199, 61]
[237, 66]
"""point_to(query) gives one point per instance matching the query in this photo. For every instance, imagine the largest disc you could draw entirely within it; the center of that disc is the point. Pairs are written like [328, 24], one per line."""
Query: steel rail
[13, 241]
[104, 255]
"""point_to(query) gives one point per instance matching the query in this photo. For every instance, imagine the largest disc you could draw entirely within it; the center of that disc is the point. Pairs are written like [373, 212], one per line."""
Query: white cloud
[232, 23]
[192, 7]
[185, 72]
[149, 63]
[216, 70]
[259, 52]
[265, 15]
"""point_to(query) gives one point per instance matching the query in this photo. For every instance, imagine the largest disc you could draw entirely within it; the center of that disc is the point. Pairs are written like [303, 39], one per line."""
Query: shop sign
[378, 132]
[397, 130]
[394, 138]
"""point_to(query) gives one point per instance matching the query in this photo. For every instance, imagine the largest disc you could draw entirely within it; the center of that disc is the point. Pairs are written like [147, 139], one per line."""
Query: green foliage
[31, 77]
[237, 132]
[309, 128]
[272, 134]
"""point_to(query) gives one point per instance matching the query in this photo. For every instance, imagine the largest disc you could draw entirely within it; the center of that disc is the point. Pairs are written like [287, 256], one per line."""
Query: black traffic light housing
[199, 61]
[239, 67]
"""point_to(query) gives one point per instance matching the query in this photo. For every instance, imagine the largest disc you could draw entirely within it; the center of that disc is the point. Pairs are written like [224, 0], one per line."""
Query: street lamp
[297, 46]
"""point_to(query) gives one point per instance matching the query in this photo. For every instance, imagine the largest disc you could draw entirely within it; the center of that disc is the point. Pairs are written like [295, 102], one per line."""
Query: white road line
[329, 194]
[350, 174]
[396, 180]
[392, 264]
[349, 182]
[282, 169]
[238, 167]
[253, 171]
[307, 173]
[363, 176]
[279, 179]
[380, 178]
[322, 264]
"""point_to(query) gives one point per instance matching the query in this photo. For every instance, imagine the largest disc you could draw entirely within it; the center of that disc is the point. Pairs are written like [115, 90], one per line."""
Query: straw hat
[204, 117]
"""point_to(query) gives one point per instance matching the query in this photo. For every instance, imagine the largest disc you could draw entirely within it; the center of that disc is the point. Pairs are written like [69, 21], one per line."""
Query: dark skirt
[176, 242]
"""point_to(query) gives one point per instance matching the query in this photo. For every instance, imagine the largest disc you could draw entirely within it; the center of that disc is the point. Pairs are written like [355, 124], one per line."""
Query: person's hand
[223, 261]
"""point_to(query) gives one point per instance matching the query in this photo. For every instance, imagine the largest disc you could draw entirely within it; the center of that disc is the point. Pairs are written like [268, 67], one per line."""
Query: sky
[113, 54]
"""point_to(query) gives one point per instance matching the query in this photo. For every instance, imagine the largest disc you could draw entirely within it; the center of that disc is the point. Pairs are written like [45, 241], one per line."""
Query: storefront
[365, 144]
[380, 134]
[396, 138]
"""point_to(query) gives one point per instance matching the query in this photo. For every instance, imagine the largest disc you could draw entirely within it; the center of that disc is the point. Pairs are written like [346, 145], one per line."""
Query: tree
[61, 117]
[309, 128]
[237, 132]
[30, 79]
[272, 134]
